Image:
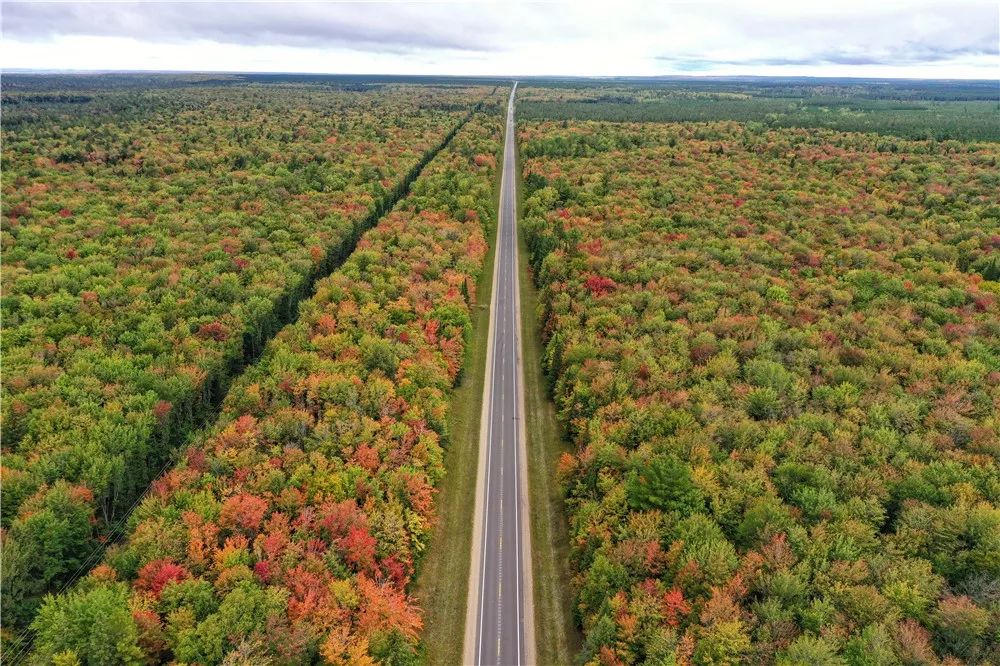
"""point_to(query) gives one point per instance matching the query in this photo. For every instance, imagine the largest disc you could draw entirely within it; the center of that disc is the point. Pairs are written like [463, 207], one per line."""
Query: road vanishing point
[500, 626]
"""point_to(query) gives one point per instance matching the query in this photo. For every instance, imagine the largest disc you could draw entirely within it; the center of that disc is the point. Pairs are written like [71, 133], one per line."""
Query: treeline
[291, 529]
[778, 355]
[803, 87]
[145, 270]
[55, 98]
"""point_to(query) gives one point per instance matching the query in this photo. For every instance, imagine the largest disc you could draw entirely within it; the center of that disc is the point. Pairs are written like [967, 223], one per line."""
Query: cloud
[883, 35]
[365, 26]
[856, 37]
[908, 54]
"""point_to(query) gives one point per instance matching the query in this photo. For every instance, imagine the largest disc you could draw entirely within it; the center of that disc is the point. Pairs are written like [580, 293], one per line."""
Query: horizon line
[87, 71]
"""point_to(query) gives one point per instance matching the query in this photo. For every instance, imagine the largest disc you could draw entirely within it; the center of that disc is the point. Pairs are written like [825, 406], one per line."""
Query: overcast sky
[939, 39]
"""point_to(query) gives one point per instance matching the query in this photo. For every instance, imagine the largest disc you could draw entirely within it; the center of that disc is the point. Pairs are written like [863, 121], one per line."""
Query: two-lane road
[500, 618]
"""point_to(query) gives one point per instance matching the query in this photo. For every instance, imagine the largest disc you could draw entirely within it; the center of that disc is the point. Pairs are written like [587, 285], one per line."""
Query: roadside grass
[443, 582]
[558, 640]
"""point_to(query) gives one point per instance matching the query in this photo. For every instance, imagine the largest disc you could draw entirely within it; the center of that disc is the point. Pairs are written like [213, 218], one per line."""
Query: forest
[965, 111]
[152, 250]
[776, 352]
[292, 527]
[235, 307]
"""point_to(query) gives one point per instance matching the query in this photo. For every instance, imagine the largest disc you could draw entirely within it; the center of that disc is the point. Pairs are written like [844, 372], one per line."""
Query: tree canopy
[777, 352]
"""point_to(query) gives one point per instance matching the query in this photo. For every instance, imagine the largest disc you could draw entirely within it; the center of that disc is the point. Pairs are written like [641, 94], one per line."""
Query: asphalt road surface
[502, 596]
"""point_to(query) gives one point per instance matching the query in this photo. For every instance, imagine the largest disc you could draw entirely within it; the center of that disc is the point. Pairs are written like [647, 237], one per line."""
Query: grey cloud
[883, 36]
[909, 54]
[682, 36]
[361, 26]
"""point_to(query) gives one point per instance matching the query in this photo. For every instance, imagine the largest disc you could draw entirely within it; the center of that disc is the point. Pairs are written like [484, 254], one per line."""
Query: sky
[870, 38]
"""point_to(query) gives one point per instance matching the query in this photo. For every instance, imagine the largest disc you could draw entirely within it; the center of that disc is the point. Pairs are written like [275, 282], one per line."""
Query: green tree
[45, 546]
[809, 650]
[93, 626]
[665, 484]
[722, 644]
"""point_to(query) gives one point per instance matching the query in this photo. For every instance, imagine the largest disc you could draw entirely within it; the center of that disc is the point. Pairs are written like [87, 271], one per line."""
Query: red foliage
[338, 518]
[161, 410]
[385, 608]
[430, 331]
[593, 246]
[598, 285]
[326, 324]
[20, 210]
[367, 457]
[151, 637]
[359, 548]
[215, 331]
[609, 658]
[396, 571]
[566, 465]
[157, 574]
[196, 459]
[420, 493]
[231, 246]
[308, 590]
[674, 607]
[82, 494]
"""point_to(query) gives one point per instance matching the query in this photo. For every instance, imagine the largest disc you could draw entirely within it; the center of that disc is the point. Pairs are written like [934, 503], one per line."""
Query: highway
[500, 618]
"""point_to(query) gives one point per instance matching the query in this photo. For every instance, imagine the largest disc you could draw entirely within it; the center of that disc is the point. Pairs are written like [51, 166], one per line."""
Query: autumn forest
[239, 314]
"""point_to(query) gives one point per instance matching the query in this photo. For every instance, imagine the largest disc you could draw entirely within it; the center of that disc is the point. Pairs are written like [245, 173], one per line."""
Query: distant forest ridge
[778, 86]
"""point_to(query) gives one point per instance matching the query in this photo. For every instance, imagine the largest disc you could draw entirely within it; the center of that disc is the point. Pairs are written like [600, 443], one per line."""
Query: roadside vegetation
[558, 639]
[443, 579]
[777, 355]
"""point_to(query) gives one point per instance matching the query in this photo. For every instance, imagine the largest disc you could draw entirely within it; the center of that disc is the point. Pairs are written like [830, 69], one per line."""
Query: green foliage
[392, 649]
[810, 651]
[915, 110]
[961, 627]
[664, 484]
[764, 404]
[46, 548]
[722, 644]
[88, 626]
